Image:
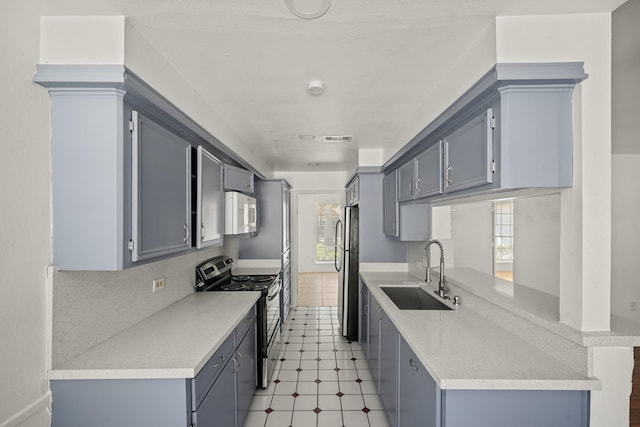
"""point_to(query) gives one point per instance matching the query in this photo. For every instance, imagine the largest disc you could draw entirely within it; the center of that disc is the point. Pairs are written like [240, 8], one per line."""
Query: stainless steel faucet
[441, 288]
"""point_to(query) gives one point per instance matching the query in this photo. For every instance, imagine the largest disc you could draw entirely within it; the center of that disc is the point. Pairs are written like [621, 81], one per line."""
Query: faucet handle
[456, 300]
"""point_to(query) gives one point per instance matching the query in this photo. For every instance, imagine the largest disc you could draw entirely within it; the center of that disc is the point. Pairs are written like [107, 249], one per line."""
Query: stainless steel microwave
[241, 214]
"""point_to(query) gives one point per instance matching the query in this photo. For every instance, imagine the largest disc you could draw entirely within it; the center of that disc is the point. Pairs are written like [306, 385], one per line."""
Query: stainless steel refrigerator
[346, 263]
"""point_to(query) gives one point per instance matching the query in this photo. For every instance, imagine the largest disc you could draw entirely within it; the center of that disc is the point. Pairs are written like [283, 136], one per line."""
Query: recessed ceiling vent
[337, 139]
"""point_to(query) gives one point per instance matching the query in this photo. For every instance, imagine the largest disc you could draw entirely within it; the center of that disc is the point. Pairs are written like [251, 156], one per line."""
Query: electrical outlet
[158, 284]
[634, 306]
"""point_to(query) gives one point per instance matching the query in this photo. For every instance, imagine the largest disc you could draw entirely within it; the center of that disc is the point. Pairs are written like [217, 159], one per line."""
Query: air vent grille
[337, 139]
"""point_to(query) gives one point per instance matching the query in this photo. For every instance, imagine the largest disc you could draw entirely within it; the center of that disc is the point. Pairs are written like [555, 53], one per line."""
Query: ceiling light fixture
[315, 87]
[308, 9]
[306, 137]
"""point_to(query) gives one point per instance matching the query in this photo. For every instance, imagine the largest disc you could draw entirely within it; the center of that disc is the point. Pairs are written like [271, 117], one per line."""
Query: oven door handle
[274, 291]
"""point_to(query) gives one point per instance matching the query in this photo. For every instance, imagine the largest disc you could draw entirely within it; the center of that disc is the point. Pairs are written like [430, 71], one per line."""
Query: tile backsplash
[92, 306]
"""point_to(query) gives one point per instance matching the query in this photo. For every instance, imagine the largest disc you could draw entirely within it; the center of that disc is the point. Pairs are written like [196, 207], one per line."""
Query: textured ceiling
[380, 61]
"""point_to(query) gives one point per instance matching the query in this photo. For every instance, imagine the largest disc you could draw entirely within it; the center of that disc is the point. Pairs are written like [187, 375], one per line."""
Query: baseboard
[18, 419]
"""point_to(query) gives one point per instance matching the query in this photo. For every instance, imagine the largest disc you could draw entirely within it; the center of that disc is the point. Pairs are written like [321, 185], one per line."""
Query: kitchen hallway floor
[318, 289]
[322, 380]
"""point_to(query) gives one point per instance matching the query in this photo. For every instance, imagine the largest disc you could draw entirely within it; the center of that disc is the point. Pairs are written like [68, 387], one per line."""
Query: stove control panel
[212, 268]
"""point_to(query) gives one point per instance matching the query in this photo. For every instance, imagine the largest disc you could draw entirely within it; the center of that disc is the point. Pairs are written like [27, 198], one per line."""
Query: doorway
[317, 277]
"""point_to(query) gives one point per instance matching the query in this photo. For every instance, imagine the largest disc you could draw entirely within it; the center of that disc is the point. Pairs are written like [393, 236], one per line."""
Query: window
[327, 215]
[503, 239]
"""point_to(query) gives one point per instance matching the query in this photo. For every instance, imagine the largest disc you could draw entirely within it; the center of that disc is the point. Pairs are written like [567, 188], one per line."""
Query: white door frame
[294, 234]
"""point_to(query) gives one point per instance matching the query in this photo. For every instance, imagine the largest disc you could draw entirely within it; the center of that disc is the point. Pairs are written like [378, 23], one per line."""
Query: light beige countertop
[175, 342]
[464, 349]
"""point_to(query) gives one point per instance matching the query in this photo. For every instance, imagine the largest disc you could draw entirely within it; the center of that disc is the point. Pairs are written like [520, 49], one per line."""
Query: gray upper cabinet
[469, 154]
[511, 130]
[353, 191]
[406, 182]
[161, 190]
[210, 200]
[238, 179]
[109, 210]
[390, 209]
[404, 222]
[428, 172]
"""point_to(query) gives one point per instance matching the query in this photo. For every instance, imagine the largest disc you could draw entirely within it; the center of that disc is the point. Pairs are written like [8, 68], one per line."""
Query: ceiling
[251, 60]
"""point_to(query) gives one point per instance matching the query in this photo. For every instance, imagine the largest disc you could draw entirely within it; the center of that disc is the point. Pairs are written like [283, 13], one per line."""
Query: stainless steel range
[215, 275]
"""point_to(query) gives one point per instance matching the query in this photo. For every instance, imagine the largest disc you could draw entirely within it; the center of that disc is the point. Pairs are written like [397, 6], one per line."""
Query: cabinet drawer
[209, 373]
[245, 324]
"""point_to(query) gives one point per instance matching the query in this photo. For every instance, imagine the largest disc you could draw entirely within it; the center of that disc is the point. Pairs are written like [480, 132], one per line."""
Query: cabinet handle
[187, 234]
[449, 170]
[202, 231]
[215, 365]
[414, 367]
[366, 309]
[241, 359]
[379, 313]
[418, 186]
[394, 226]
[247, 185]
[235, 366]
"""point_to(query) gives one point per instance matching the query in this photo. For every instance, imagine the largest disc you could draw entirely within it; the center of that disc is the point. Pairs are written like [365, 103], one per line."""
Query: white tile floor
[322, 380]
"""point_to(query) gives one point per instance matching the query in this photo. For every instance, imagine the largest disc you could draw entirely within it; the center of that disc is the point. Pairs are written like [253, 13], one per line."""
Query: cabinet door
[218, 409]
[469, 154]
[390, 206]
[406, 183]
[161, 190]
[364, 320]
[238, 179]
[388, 389]
[210, 203]
[246, 376]
[429, 171]
[418, 393]
[374, 339]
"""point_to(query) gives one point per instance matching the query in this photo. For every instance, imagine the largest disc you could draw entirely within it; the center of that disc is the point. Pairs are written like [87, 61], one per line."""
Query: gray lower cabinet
[363, 337]
[210, 200]
[383, 359]
[411, 397]
[238, 179]
[220, 395]
[418, 393]
[161, 190]
[388, 388]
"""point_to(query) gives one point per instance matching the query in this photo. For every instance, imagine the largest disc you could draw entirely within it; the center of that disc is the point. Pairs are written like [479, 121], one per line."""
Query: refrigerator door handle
[336, 247]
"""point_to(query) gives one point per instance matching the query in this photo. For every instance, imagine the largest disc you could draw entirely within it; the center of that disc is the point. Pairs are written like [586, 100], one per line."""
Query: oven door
[271, 351]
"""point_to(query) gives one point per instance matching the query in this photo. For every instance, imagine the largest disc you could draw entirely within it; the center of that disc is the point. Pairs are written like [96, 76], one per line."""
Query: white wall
[144, 60]
[625, 197]
[537, 242]
[24, 220]
[306, 246]
[585, 271]
[472, 235]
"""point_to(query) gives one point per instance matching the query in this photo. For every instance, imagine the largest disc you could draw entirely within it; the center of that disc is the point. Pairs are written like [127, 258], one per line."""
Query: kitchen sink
[413, 298]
